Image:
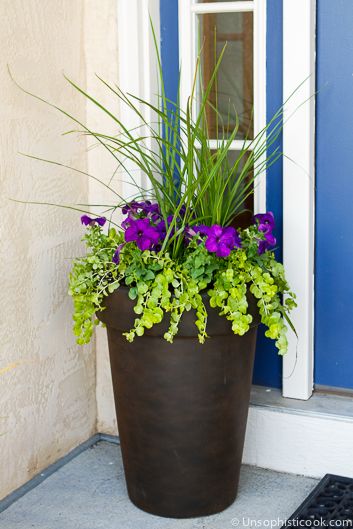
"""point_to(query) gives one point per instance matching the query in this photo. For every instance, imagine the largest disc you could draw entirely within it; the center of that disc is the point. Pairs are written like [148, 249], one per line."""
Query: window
[241, 83]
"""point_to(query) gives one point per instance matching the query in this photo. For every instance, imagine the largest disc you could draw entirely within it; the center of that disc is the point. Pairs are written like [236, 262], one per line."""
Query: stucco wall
[102, 59]
[47, 383]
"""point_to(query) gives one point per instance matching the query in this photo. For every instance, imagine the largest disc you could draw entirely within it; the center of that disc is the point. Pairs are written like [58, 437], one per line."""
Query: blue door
[268, 365]
[334, 195]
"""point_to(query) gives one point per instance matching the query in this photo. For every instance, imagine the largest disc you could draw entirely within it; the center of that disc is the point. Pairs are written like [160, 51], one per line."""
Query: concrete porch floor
[89, 493]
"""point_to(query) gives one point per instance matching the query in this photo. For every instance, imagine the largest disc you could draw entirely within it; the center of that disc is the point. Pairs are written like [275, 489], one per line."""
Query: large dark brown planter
[181, 409]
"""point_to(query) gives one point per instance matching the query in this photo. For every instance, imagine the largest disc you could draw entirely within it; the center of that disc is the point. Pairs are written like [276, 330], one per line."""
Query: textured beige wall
[102, 59]
[47, 383]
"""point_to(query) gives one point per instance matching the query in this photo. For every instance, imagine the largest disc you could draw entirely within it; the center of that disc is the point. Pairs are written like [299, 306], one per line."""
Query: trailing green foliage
[163, 287]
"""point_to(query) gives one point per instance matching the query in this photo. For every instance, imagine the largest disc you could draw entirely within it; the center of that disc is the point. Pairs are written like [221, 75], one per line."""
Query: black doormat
[330, 504]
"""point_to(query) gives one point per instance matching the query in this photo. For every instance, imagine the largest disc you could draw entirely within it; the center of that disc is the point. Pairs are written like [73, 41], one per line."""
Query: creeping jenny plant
[223, 262]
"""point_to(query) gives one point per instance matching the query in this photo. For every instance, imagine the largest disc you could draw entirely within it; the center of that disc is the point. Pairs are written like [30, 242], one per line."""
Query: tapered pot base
[183, 513]
[181, 410]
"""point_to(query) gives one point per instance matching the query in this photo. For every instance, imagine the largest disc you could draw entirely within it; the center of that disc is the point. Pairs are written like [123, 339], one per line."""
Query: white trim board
[137, 69]
[298, 190]
[224, 7]
[299, 443]
[260, 93]
[311, 438]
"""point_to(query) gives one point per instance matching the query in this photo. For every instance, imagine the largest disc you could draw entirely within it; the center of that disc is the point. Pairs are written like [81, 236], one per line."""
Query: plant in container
[182, 289]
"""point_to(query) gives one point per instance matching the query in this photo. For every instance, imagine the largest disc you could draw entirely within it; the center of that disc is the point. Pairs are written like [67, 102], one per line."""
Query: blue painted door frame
[268, 365]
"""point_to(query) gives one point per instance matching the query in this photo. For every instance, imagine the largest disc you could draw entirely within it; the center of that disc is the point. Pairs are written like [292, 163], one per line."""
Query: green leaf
[133, 293]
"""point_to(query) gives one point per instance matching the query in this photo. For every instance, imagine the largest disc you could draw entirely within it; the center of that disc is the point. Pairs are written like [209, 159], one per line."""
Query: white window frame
[188, 11]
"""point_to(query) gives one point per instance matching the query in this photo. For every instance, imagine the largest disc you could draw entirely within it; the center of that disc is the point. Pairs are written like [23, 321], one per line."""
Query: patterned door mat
[330, 504]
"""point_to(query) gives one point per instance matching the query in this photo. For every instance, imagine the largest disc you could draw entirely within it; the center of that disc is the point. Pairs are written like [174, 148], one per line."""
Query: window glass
[233, 92]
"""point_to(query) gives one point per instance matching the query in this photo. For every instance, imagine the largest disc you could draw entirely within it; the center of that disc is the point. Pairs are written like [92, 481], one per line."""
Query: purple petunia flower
[163, 227]
[147, 207]
[190, 232]
[265, 221]
[143, 233]
[193, 231]
[266, 224]
[88, 221]
[152, 210]
[220, 240]
[202, 229]
[267, 243]
[126, 223]
[116, 256]
[131, 207]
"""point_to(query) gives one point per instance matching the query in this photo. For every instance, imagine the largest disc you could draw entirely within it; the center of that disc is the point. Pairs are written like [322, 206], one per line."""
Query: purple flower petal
[262, 247]
[151, 233]
[266, 244]
[147, 207]
[223, 250]
[144, 244]
[131, 233]
[143, 233]
[270, 239]
[266, 224]
[265, 221]
[126, 223]
[221, 240]
[237, 240]
[201, 229]
[116, 256]
[89, 221]
[161, 227]
[211, 244]
[216, 230]
[86, 220]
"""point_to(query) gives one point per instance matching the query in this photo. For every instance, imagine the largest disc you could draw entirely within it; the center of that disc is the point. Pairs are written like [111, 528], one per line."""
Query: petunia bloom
[162, 227]
[131, 207]
[143, 233]
[265, 224]
[116, 256]
[266, 244]
[221, 241]
[193, 231]
[88, 221]
[265, 221]
[135, 208]
[126, 223]
[152, 210]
